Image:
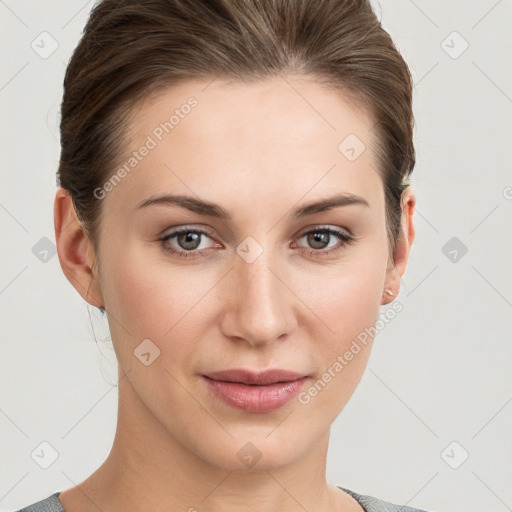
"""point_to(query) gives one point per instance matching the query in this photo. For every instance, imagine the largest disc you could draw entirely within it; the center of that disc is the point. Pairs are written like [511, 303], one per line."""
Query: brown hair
[131, 48]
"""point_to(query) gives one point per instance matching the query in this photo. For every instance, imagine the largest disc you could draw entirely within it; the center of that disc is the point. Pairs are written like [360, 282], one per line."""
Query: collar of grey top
[372, 504]
[50, 504]
[368, 503]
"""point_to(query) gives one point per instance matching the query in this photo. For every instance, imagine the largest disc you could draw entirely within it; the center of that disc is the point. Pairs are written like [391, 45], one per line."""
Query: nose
[258, 306]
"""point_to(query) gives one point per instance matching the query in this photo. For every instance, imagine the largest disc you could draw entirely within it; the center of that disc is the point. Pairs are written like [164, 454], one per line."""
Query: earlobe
[403, 246]
[76, 254]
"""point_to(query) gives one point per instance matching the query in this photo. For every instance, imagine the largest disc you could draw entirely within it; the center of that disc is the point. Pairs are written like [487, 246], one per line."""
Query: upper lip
[255, 378]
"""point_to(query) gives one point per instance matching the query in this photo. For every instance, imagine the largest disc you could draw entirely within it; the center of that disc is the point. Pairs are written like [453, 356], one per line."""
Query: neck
[148, 469]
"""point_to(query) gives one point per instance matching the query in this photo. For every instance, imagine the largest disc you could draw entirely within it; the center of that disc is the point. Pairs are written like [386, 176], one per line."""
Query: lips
[255, 392]
[253, 378]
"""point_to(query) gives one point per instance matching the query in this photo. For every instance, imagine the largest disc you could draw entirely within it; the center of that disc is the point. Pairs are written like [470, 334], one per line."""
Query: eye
[320, 238]
[188, 241]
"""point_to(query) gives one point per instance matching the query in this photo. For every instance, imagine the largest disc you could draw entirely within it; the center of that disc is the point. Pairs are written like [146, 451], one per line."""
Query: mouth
[255, 392]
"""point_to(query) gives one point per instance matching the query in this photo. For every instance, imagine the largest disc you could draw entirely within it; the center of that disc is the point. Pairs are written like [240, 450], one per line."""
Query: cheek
[153, 300]
[348, 298]
[348, 304]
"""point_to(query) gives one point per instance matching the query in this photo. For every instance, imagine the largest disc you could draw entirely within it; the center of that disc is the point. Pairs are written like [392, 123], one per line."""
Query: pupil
[319, 240]
[189, 240]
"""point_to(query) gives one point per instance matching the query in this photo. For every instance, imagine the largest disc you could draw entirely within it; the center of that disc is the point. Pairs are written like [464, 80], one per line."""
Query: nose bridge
[260, 310]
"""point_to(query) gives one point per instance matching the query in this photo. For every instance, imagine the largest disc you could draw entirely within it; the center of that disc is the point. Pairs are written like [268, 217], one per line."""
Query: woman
[234, 197]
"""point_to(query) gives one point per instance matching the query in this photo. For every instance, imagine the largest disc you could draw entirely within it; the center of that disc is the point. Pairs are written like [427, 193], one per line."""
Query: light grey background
[439, 373]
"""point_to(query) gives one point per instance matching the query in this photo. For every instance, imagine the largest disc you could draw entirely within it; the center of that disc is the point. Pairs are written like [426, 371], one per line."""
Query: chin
[263, 460]
[254, 452]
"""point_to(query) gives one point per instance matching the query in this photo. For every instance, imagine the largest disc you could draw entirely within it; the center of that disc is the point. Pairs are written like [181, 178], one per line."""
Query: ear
[403, 247]
[76, 253]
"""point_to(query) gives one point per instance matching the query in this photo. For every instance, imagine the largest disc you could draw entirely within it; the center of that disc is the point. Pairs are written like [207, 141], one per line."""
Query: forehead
[257, 137]
[308, 110]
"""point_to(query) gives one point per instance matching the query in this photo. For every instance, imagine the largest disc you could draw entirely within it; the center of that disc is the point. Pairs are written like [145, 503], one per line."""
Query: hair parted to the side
[131, 48]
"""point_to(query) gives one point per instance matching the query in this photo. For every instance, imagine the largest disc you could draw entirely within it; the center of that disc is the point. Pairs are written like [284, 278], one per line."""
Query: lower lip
[258, 399]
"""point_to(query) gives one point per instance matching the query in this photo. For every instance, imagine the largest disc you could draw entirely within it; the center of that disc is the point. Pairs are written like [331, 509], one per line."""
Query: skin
[258, 150]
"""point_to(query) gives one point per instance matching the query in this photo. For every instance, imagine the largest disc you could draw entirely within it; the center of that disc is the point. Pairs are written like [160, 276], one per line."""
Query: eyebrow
[214, 210]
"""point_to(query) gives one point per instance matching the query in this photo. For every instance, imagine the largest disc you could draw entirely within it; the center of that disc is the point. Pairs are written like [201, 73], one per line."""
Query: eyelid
[210, 232]
[324, 227]
[185, 228]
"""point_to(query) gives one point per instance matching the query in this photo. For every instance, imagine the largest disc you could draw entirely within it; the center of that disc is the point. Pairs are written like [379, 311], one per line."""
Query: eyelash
[342, 236]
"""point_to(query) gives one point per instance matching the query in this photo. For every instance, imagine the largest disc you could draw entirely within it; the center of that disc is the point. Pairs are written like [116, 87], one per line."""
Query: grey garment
[369, 504]
[50, 504]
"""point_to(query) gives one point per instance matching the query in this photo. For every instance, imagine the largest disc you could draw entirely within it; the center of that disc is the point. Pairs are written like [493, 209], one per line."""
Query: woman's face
[263, 287]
